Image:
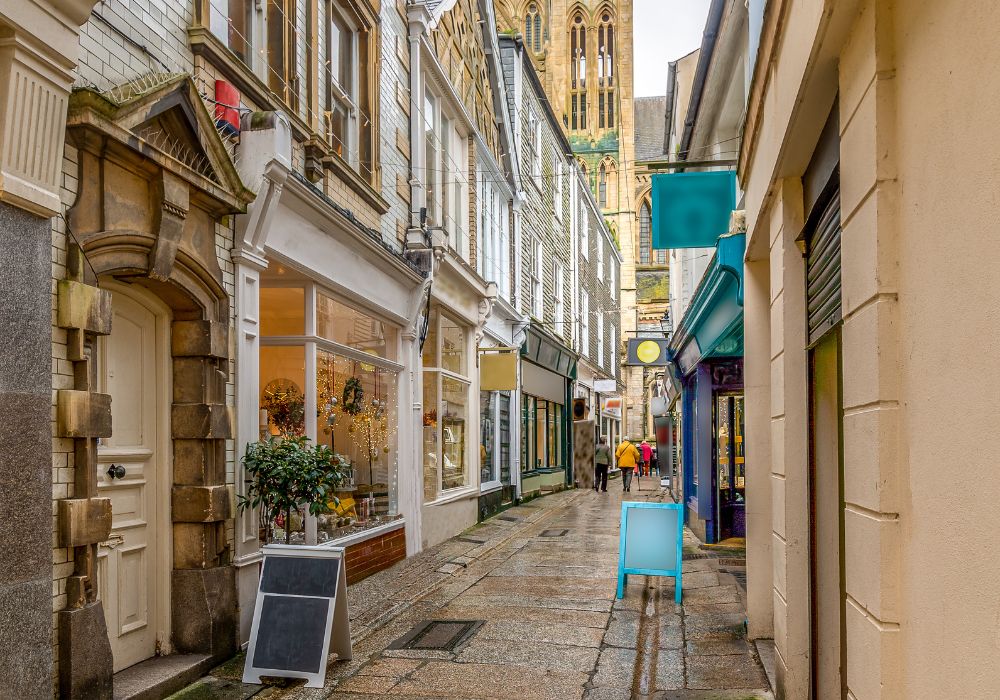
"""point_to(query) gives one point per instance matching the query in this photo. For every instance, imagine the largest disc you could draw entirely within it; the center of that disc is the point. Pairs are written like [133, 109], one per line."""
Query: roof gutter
[668, 116]
[708, 42]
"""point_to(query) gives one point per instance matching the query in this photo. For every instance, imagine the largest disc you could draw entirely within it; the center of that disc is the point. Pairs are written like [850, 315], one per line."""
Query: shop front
[548, 370]
[707, 352]
[317, 359]
[499, 431]
[459, 305]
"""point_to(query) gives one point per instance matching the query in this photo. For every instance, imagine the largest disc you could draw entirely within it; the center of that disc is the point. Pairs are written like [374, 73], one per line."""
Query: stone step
[160, 676]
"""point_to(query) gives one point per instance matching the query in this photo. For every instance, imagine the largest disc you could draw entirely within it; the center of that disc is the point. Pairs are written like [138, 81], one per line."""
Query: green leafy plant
[285, 473]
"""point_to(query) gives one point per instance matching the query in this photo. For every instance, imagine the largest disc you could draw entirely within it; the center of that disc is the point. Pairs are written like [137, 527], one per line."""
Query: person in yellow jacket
[628, 457]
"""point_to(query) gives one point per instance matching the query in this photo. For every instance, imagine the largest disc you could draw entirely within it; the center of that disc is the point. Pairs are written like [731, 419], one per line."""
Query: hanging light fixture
[667, 324]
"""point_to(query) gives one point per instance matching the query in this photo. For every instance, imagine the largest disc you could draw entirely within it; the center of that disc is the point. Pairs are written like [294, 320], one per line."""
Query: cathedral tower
[582, 50]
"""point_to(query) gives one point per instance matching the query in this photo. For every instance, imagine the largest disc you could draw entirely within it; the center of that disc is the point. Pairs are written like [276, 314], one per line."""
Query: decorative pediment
[162, 116]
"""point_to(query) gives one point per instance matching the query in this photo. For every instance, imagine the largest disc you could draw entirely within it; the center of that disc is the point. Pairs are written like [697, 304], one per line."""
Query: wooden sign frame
[624, 571]
[337, 635]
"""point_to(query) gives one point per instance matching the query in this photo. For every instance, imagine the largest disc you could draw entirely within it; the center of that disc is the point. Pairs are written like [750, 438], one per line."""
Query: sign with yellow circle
[648, 352]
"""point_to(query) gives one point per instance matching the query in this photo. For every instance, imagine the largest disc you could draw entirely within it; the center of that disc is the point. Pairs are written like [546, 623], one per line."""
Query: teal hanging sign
[691, 210]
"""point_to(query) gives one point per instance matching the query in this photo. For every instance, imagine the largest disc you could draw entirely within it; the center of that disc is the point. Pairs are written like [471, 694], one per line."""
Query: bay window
[446, 406]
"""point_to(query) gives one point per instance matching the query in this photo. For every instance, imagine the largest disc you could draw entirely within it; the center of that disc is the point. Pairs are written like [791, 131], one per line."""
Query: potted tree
[286, 473]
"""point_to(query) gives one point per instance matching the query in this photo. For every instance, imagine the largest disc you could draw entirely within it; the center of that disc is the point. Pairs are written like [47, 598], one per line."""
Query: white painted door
[127, 368]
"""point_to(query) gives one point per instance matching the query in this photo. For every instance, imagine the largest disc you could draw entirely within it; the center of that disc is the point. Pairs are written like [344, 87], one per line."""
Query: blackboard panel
[300, 576]
[651, 539]
[291, 633]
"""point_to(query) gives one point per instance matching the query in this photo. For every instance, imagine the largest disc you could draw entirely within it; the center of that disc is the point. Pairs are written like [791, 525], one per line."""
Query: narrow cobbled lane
[523, 607]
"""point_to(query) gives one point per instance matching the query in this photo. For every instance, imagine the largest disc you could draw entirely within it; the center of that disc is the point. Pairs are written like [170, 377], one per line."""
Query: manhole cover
[553, 533]
[438, 635]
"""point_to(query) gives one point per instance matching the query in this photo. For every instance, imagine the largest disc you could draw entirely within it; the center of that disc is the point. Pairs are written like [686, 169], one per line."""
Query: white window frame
[446, 176]
[438, 373]
[557, 174]
[345, 98]
[536, 279]
[600, 338]
[558, 305]
[600, 260]
[534, 144]
[584, 324]
[584, 222]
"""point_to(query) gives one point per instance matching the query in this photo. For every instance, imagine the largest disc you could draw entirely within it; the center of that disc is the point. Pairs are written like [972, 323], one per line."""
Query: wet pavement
[539, 584]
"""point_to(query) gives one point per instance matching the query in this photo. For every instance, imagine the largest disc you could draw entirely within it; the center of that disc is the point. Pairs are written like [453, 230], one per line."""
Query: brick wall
[368, 557]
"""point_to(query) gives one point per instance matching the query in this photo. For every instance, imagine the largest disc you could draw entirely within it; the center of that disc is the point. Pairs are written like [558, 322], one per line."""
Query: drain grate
[438, 635]
[509, 518]
[554, 533]
[732, 562]
[473, 540]
[696, 555]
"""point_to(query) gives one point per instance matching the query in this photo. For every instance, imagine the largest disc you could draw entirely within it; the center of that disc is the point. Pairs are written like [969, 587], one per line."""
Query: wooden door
[127, 562]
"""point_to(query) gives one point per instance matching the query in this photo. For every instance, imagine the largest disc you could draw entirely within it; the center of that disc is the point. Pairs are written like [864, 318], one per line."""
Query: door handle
[116, 471]
[114, 540]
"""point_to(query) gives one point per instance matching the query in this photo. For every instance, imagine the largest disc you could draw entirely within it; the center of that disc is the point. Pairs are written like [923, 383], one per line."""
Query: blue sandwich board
[652, 542]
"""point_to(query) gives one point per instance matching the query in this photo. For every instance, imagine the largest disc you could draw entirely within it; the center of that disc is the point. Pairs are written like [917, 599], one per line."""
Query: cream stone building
[870, 185]
[583, 53]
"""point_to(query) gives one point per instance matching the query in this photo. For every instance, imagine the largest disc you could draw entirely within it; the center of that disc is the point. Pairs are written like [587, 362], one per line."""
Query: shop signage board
[300, 615]
[606, 386]
[647, 352]
[652, 541]
[691, 210]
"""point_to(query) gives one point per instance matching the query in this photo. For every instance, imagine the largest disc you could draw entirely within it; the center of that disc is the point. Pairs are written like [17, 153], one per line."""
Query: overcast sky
[664, 30]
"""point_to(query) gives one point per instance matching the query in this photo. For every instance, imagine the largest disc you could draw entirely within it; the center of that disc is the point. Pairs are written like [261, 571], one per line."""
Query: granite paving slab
[551, 625]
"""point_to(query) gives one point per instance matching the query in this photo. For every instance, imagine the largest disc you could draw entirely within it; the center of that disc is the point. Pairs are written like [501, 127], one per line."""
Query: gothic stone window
[533, 28]
[605, 72]
[578, 73]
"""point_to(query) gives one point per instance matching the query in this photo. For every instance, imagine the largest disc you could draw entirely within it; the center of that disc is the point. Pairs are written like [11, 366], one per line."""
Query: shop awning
[713, 323]
[545, 350]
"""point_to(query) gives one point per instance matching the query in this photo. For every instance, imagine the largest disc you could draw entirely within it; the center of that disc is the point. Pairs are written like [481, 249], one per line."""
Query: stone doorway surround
[155, 183]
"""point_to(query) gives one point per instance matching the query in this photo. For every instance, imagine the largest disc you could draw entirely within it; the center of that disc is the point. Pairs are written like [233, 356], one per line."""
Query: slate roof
[650, 124]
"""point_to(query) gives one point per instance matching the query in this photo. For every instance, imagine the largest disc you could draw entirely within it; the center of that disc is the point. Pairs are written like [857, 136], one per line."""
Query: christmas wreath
[353, 396]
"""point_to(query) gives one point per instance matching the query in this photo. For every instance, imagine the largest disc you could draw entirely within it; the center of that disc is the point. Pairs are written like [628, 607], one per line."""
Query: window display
[336, 385]
[446, 406]
[544, 433]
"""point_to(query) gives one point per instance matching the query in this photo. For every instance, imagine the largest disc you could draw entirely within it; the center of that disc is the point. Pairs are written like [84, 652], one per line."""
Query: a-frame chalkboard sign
[300, 615]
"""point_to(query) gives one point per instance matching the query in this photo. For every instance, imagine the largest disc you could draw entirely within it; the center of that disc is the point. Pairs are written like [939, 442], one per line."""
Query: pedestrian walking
[646, 456]
[602, 461]
[628, 458]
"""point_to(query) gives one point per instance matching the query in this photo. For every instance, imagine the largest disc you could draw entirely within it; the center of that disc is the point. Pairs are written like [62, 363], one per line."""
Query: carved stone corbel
[174, 202]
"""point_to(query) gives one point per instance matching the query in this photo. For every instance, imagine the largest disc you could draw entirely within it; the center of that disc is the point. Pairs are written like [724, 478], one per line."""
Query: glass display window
[283, 311]
[336, 384]
[446, 406]
[340, 323]
[545, 434]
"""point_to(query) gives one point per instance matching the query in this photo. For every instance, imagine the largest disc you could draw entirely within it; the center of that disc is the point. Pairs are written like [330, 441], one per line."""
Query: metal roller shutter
[823, 307]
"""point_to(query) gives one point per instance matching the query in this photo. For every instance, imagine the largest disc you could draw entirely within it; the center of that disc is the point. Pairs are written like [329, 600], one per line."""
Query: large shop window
[544, 433]
[328, 371]
[494, 437]
[446, 406]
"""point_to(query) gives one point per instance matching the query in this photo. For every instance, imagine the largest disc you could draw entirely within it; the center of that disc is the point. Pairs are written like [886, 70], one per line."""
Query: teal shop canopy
[691, 210]
[712, 325]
